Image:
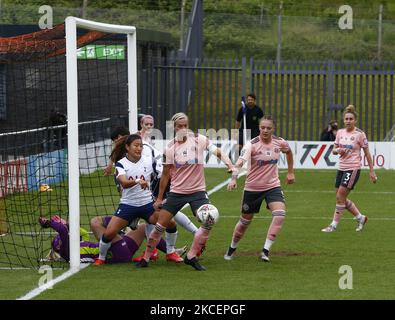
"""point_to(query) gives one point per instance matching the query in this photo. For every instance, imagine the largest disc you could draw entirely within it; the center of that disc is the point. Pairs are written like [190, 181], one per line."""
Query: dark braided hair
[119, 150]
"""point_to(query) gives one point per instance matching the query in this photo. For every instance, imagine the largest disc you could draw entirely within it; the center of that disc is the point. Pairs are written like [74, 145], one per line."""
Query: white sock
[359, 217]
[171, 239]
[103, 248]
[233, 245]
[268, 244]
[334, 223]
[185, 222]
[148, 229]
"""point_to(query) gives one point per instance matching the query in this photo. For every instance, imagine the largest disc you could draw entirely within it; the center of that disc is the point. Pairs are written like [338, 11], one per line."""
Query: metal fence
[207, 90]
[302, 96]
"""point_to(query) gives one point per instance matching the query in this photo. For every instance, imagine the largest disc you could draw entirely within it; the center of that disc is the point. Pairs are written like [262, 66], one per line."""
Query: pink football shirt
[262, 161]
[187, 172]
[353, 142]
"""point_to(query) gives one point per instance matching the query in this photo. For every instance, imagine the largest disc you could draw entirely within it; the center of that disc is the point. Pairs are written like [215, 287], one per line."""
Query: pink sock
[153, 240]
[239, 231]
[350, 206]
[277, 223]
[199, 240]
[338, 213]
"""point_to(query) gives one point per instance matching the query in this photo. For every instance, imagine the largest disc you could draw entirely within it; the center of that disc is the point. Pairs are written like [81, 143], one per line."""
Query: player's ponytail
[350, 109]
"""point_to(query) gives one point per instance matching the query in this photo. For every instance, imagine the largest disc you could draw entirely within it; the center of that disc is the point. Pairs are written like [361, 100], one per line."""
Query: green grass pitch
[304, 261]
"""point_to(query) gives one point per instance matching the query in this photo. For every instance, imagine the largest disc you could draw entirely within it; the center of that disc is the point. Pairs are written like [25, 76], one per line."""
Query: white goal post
[72, 114]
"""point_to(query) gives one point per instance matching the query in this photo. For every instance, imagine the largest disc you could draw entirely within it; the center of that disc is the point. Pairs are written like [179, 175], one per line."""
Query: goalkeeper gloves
[44, 222]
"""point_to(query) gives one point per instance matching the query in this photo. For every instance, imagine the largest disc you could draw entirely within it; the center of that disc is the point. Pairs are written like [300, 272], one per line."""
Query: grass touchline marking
[224, 183]
[35, 292]
[310, 218]
[333, 191]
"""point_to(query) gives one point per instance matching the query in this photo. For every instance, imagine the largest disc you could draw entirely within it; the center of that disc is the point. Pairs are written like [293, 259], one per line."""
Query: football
[207, 214]
[45, 188]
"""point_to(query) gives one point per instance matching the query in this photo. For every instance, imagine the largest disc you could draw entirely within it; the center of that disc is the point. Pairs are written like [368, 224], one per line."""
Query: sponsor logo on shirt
[262, 163]
[347, 146]
[186, 163]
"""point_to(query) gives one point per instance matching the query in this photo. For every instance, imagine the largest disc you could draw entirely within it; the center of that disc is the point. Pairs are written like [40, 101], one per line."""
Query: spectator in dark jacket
[329, 133]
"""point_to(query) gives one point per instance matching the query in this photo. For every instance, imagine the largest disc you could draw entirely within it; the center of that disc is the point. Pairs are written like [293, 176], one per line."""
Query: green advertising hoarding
[115, 52]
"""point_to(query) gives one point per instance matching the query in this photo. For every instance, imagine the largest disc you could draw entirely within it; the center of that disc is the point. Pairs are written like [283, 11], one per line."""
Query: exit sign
[115, 52]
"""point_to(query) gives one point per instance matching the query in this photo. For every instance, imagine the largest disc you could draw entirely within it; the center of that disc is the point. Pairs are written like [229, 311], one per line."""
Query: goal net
[62, 92]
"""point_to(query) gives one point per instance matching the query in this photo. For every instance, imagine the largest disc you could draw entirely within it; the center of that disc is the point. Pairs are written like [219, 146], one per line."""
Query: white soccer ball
[207, 214]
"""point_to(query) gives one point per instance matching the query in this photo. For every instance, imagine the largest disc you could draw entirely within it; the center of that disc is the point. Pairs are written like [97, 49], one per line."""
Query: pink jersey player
[262, 154]
[348, 144]
[186, 160]
[183, 163]
[262, 159]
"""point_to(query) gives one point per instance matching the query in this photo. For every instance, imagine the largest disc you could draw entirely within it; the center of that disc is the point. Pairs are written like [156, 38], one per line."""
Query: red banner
[13, 177]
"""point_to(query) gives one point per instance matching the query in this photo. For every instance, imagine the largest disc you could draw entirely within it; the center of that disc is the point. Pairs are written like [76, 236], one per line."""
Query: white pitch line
[288, 190]
[18, 268]
[223, 184]
[39, 233]
[217, 187]
[64, 276]
[333, 191]
[22, 268]
[309, 218]
[35, 292]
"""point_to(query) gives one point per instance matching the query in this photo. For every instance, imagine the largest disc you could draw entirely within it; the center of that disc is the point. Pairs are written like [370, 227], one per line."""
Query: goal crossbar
[72, 23]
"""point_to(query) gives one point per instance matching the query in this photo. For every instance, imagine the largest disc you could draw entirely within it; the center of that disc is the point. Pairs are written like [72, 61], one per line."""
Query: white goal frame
[72, 114]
